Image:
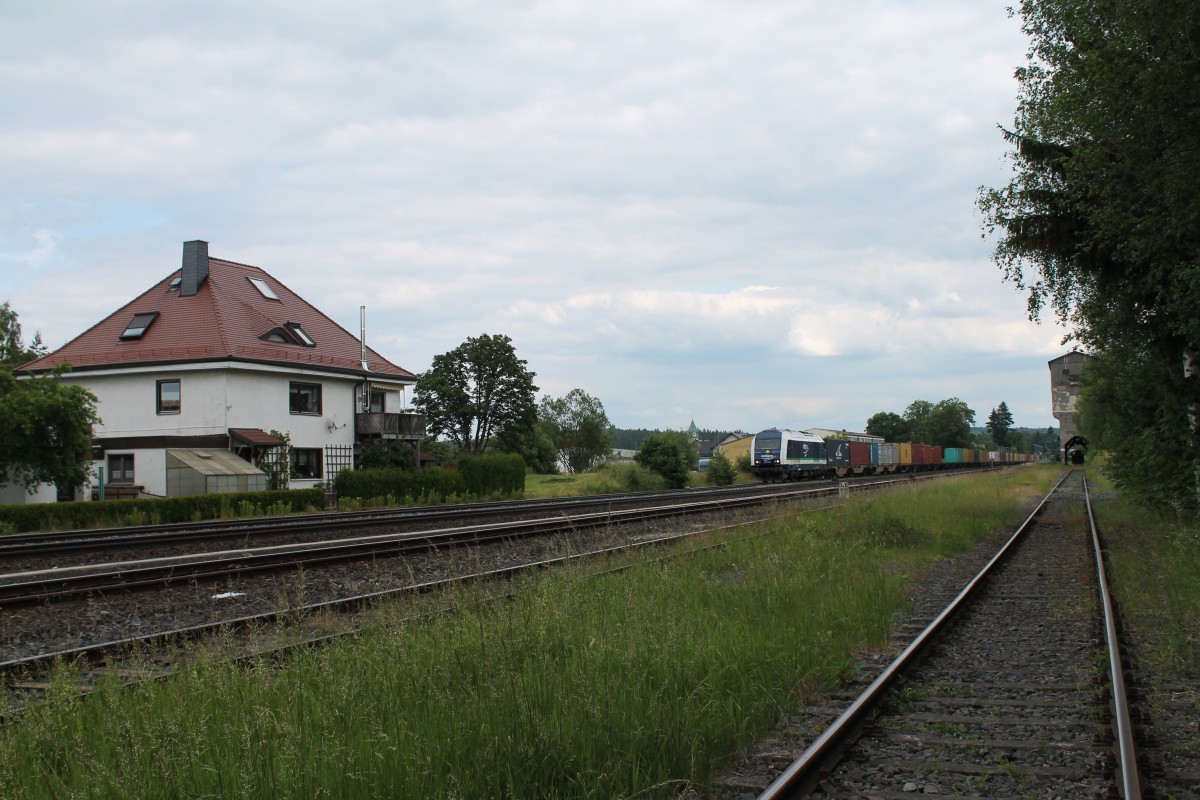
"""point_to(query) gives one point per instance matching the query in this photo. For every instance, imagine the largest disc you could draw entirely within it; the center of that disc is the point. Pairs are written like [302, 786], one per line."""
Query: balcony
[389, 426]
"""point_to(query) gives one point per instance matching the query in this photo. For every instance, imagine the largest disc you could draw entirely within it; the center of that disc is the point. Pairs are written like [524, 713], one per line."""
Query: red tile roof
[223, 321]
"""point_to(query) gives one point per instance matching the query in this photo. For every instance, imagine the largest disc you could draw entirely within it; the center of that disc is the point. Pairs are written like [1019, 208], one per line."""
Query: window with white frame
[169, 398]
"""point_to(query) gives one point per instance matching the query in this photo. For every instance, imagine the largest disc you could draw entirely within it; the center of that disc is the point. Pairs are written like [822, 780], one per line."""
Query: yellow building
[736, 445]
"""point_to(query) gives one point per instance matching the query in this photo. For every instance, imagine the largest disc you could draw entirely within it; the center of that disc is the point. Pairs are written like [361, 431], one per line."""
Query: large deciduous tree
[579, 428]
[45, 431]
[477, 390]
[891, 426]
[1101, 221]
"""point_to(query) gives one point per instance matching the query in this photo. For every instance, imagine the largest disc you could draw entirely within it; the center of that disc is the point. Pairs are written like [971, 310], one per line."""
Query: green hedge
[476, 476]
[502, 473]
[399, 483]
[115, 513]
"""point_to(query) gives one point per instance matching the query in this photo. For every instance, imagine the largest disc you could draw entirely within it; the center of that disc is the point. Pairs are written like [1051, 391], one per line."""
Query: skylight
[139, 324]
[301, 334]
[263, 289]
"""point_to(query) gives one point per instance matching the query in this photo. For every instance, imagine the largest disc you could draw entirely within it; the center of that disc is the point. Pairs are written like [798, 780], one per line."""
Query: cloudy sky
[748, 213]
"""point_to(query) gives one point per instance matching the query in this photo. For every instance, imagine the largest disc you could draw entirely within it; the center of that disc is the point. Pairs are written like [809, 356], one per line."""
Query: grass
[630, 684]
[1154, 562]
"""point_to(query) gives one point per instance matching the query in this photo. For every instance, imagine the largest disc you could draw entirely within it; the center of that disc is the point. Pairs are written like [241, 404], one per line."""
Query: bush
[499, 473]
[386, 453]
[157, 510]
[743, 463]
[368, 484]
[615, 478]
[720, 471]
[671, 454]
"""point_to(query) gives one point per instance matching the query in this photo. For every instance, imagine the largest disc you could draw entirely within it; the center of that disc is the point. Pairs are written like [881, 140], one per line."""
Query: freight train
[780, 454]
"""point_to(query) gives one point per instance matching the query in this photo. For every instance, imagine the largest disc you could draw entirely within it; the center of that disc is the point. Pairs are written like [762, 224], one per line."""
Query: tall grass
[1154, 561]
[626, 684]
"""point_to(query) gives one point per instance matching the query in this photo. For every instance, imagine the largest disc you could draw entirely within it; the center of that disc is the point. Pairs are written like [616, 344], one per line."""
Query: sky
[749, 214]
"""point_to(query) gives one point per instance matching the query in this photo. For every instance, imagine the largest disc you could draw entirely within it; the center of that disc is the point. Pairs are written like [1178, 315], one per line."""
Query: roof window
[139, 324]
[301, 334]
[175, 283]
[263, 289]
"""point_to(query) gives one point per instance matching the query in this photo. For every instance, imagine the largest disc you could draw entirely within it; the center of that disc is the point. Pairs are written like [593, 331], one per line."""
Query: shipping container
[906, 454]
[889, 457]
[860, 455]
[953, 455]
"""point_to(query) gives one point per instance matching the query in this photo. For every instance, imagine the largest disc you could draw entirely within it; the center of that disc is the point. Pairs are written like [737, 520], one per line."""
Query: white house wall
[214, 399]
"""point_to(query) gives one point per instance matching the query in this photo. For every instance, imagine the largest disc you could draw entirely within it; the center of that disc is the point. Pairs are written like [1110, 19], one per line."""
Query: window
[120, 468]
[168, 397]
[377, 401]
[306, 463]
[138, 325]
[289, 333]
[263, 289]
[301, 334]
[304, 398]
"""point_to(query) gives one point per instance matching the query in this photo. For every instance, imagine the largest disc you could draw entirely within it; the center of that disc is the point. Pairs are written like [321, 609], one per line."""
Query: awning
[254, 436]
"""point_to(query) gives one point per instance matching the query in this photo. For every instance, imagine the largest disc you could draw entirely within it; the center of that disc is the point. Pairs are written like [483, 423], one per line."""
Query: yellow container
[905, 453]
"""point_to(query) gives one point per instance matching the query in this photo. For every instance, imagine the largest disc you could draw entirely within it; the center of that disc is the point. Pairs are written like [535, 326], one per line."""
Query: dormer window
[138, 326]
[175, 283]
[289, 333]
[263, 289]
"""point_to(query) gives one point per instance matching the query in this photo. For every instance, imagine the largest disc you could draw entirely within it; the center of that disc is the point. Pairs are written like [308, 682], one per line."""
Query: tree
[46, 428]
[1101, 221]
[535, 446]
[892, 427]
[13, 352]
[721, 471]
[946, 423]
[671, 454]
[475, 391]
[1000, 423]
[1125, 409]
[579, 429]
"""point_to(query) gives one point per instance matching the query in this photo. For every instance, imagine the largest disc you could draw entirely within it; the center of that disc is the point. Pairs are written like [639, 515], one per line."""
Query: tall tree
[475, 391]
[891, 426]
[46, 431]
[1101, 221]
[13, 352]
[579, 428]
[1000, 423]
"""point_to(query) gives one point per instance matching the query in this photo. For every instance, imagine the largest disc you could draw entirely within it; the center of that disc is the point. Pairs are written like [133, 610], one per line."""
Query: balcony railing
[390, 426]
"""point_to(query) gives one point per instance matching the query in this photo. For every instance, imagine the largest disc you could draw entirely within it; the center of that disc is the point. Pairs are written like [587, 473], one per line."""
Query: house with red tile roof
[193, 374]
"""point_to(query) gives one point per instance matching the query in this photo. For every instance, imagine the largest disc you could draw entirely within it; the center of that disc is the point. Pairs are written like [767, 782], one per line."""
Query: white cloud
[701, 208]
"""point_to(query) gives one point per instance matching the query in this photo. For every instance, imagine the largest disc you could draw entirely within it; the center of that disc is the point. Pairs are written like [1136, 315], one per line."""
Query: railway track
[1015, 689]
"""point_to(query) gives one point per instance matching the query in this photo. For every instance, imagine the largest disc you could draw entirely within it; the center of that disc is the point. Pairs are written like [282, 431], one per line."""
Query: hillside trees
[477, 390]
[1101, 220]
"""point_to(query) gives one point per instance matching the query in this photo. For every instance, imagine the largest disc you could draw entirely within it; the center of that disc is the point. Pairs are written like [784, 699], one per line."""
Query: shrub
[720, 470]
[671, 454]
[367, 484]
[498, 473]
[116, 513]
[386, 453]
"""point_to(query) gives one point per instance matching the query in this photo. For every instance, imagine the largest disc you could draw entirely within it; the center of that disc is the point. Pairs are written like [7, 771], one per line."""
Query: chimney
[195, 267]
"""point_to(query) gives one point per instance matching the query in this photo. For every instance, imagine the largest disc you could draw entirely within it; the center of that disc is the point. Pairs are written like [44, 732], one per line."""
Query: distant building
[735, 445]
[1065, 383]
